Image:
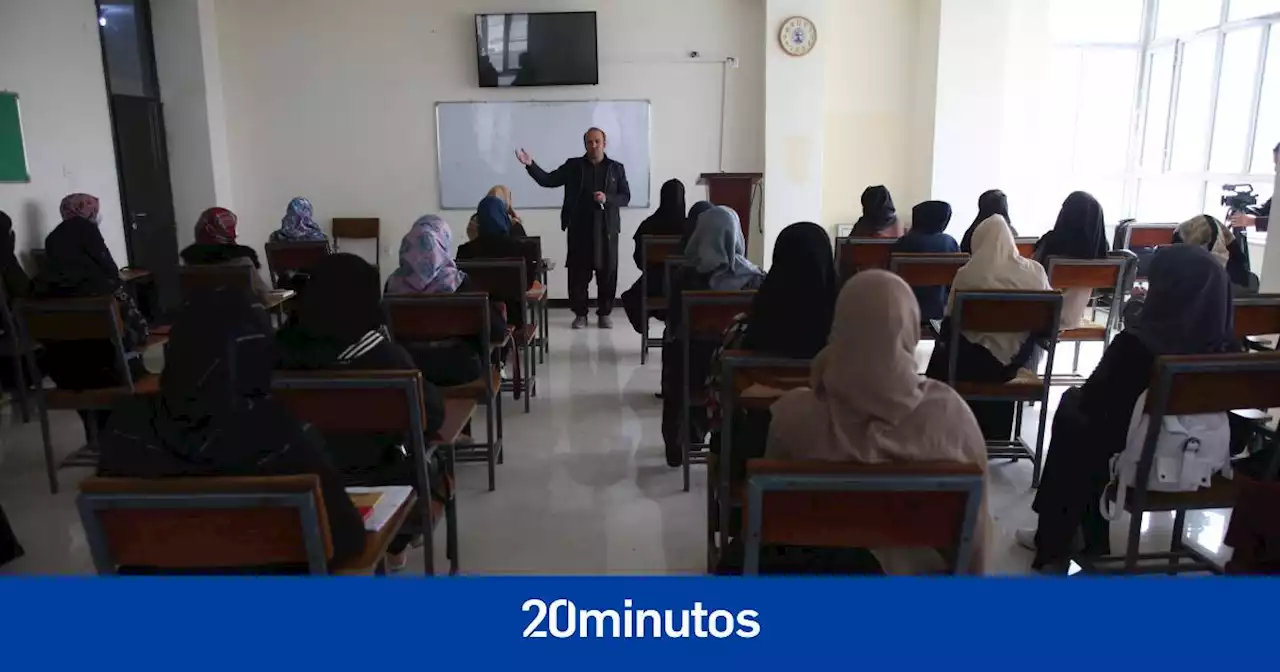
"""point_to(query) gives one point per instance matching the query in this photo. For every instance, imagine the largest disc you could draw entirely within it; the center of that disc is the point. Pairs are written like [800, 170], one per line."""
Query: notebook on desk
[378, 505]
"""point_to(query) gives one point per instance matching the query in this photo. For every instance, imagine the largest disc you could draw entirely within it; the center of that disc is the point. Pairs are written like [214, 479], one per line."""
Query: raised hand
[523, 157]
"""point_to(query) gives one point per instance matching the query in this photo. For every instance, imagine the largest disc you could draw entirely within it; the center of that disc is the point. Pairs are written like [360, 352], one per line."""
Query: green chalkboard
[13, 154]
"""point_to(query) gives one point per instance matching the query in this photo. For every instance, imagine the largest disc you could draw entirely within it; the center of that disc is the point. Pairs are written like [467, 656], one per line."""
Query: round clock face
[798, 36]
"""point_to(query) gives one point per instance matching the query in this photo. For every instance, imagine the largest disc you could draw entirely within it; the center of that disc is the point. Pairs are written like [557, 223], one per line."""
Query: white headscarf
[717, 249]
[996, 264]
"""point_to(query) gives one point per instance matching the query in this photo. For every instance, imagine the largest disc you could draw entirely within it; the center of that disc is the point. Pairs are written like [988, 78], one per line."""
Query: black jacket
[572, 176]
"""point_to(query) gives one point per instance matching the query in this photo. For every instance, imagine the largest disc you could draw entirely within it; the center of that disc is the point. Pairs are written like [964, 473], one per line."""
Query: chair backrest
[356, 227]
[533, 243]
[291, 257]
[670, 266]
[844, 505]
[506, 278]
[1026, 246]
[1257, 315]
[374, 402]
[860, 254]
[1109, 273]
[654, 250]
[88, 319]
[1148, 235]
[708, 313]
[39, 257]
[927, 270]
[1004, 311]
[195, 278]
[431, 317]
[204, 523]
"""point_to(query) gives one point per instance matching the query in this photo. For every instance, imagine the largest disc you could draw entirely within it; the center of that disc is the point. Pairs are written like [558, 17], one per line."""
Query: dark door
[150, 230]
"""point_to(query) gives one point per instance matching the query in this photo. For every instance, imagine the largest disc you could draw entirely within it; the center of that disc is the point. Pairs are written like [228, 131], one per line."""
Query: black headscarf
[1188, 308]
[878, 212]
[16, 283]
[341, 302]
[992, 202]
[1079, 233]
[930, 217]
[78, 263]
[691, 222]
[670, 215]
[792, 311]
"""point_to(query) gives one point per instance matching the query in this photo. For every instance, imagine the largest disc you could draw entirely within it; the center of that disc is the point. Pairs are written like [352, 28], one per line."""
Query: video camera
[1238, 197]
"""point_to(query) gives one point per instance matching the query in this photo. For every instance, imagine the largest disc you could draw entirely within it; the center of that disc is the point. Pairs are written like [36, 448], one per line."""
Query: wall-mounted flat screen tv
[537, 49]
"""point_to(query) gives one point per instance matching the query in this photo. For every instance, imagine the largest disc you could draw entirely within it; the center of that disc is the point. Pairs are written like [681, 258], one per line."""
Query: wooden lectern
[734, 190]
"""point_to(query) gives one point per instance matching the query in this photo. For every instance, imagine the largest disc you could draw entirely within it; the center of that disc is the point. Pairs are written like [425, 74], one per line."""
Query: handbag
[1190, 449]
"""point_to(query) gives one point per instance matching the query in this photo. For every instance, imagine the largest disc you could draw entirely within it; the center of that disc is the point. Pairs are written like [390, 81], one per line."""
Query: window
[1179, 17]
[1193, 104]
[1159, 95]
[1235, 100]
[1248, 9]
[1077, 21]
[1268, 132]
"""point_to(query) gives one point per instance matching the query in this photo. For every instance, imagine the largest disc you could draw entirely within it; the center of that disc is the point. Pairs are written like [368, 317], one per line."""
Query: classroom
[915, 286]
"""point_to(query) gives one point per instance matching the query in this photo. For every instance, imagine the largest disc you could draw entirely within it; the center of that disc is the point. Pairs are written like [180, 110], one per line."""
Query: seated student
[868, 404]
[298, 225]
[879, 218]
[1228, 249]
[928, 235]
[340, 326]
[992, 202]
[79, 265]
[1187, 311]
[517, 225]
[16, 286]
[495, 242]
[1079, 233]
[216, 246]
[790, 317]
[667, 220]
[990, 357]
[427, 268]
[215, 416]
[715, 259]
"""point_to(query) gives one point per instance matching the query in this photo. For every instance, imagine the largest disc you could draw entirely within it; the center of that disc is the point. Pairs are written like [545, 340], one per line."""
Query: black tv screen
[540, 49]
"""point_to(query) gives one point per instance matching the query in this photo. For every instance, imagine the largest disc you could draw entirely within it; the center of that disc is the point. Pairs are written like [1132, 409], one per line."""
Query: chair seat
[1022, 388]
[656, 303]
[474, 389]
[457, 413]
[1221, 494]
[527, 334]
[1089, 331]
[376, 543]
[536, 294]
[155, 340]
[102, 398]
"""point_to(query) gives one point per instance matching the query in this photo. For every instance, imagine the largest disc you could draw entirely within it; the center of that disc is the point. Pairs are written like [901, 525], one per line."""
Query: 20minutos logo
[562, 619]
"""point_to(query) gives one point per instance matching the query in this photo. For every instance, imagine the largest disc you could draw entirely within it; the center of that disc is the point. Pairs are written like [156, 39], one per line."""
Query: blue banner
[654, 624]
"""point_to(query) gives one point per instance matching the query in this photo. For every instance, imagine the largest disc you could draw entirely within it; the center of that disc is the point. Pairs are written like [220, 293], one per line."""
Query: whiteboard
[476, 144]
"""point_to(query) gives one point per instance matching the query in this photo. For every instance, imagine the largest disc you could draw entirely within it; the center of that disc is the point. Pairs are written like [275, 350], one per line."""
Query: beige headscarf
[868, 404]
[996, 264]
[1199, 231]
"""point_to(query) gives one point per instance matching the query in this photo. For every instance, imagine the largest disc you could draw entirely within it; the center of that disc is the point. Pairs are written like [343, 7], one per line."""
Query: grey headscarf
[717, 249]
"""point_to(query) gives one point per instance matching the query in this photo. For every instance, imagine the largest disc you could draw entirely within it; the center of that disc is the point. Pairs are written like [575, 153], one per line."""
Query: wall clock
[798, 36]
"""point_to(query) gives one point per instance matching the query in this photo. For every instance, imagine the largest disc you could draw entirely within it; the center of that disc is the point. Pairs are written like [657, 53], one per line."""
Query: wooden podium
[735, 191]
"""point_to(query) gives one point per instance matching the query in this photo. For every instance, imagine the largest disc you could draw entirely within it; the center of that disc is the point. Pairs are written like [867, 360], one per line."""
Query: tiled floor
[584, 490]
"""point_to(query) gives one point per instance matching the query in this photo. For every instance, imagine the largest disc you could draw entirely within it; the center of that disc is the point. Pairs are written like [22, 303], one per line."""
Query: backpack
[1189, 451]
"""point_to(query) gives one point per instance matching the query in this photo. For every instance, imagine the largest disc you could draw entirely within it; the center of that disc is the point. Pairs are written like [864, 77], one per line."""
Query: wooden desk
[277, 297]
[457, 413]
[132, 274]
[376, 543]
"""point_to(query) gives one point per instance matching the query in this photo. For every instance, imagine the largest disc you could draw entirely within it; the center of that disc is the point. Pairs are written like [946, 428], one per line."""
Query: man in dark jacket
[595, 190]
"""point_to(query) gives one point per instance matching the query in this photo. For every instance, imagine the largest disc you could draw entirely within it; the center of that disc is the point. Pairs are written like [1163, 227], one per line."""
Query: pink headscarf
[79, 205]
[425, 264]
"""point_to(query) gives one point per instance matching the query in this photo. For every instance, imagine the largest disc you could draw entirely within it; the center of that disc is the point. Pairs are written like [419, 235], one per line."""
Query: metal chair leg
[50, 467]
[1131, 548]
[490, 413]
[1175, 544]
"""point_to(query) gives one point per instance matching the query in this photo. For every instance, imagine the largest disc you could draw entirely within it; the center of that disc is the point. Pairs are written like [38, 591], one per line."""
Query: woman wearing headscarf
[993, 202]
[79, 265]
[1229, 251]
[216, 246]
[715, 259]
[1188, 311]
[495, 242]
[868, 405]
[928, 236]
[215, 415]
[339, 325]
[667, 220]
[297, 225]
[879, 218]
[990, 357]
[790, 317]
[517, 225]
[16, 285]
[691, 222]
[1079, 233]
[427, 268]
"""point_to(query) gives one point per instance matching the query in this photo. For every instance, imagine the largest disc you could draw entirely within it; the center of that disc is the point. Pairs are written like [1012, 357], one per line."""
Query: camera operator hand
[1242, 219]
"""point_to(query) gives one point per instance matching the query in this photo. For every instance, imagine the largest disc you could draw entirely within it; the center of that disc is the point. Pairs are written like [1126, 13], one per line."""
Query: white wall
[50, 55]
[795, 129]
[334, 100]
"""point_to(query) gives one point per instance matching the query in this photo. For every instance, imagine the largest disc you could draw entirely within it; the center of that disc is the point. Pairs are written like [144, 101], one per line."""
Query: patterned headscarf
[425, 264]
[79, 205]
[217, 226]
[297, 223]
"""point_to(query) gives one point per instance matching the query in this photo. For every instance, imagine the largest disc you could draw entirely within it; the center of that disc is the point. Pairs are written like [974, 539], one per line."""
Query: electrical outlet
[732, 61]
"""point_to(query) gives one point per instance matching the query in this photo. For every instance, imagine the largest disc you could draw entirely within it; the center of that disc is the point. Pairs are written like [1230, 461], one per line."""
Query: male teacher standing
[595, 189]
